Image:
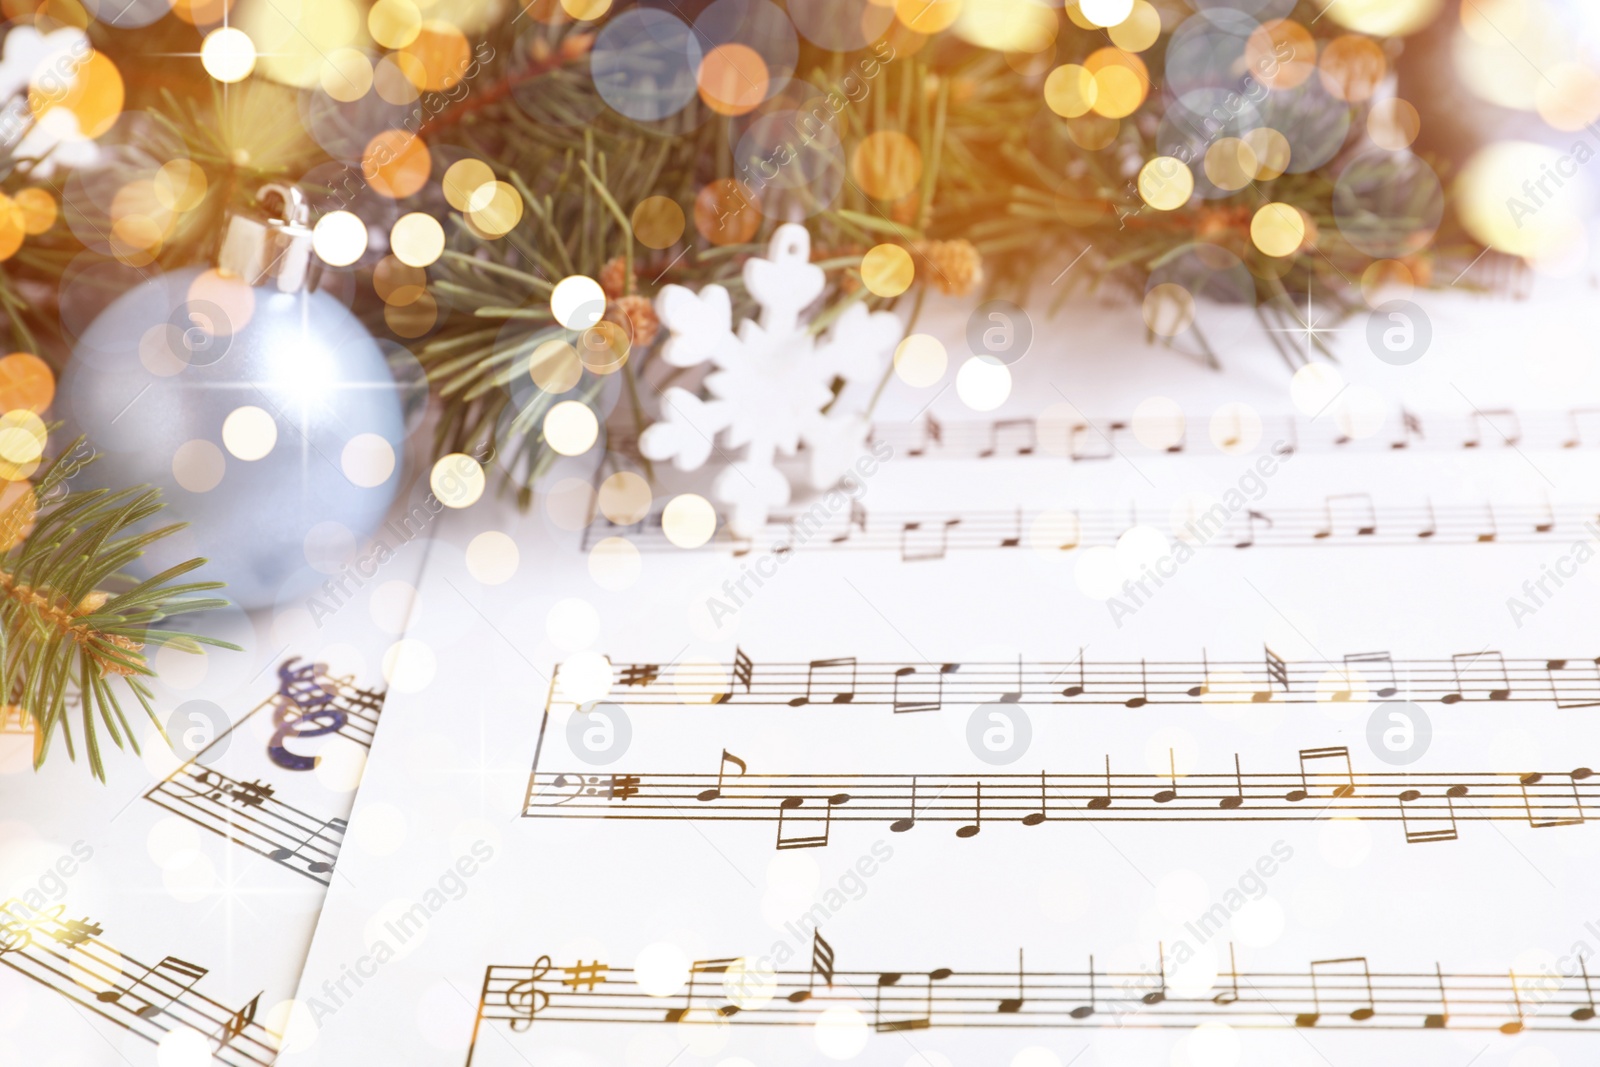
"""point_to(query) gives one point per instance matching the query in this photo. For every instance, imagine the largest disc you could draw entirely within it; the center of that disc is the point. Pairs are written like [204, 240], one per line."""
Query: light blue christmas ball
[260, 415]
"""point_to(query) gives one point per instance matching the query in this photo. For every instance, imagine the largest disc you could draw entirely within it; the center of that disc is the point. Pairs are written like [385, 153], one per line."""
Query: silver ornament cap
[273, 252]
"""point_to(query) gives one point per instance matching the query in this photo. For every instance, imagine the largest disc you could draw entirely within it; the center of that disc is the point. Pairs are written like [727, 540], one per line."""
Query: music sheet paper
[177, 901]
[1263, 737]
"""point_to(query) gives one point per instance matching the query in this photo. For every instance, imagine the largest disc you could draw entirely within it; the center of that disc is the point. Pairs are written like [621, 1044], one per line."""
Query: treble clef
[304, 709]
[526, 999]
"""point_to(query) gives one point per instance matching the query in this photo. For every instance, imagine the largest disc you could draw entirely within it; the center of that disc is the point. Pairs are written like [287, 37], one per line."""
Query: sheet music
[163, 918]
[862, 790]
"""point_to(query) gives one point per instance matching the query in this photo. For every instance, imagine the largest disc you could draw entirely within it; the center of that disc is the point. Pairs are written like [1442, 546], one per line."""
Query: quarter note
[1012, 1005]
[1433, 523]
[1250, 517]
[722, 770]
[900, 826]
[1101, 803]
[1076, 690]
[1515, 1026]
[1237, 800]
[1205, 678]
[1166, 795]
[1227, 997]
[1493, 531]
[1439, 1020]
[1034, 818]
[1584, 1014]
[1083, 1011]
[1158, 995]
[1016, 538]
[972, 828]
[180, 973]
[1144, 687]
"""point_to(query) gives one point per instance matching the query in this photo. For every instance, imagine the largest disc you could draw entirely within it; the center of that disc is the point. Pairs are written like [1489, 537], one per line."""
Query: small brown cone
[614, 277]
[957, 265]
[642, 320]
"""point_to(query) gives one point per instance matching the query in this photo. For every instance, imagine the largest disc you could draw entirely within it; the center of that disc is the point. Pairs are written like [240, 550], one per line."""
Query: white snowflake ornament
[771, 382]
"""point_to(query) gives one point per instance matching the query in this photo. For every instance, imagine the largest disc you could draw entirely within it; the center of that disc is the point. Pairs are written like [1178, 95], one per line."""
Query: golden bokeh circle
[887, 270]
[658, 222]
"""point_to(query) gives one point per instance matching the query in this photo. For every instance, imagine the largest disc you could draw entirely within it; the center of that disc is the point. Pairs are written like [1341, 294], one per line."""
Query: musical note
[1360, 1014]
[744, 672]
[1573, 416]
[1367, 659]
[283, 855]
[1345, 789]
[915, 1022]
[1156, 996]
[1493, 660]
[185, 976]
[900, 826]
[1237, 800]
[1514, 1027]
[1012, 1005]
[1083, 1011]
[1584, 1014]
[1205, 678]
[699, 967]
[811, 840]
[1493, 532]
[972, 828]
[1014, 696]
[840, 696]
[1016, 537]
[1144, 689]
[933, 434]
[1366, 515]
[1573, 819]
[857, 519]
[1432, 526]
[929, 551]
[237, 1023]
[715, 793]
[1417, 837]
[1079, 689]
[1251, 516]
[1168, 795]
[1569, 689]
[821, 964]
[1034, 818]
[1438, 1020]
[1410, 426]
[907, 696]
[1478, 418]
[1006, 427]
[1101, 803]
[1277, 674]
[1227, 997]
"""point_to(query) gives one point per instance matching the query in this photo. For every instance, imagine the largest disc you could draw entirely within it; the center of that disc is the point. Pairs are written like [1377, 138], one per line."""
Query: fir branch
[71, 617]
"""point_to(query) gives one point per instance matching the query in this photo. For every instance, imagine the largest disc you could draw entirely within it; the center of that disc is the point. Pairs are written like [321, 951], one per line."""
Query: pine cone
[957, 265]
[614, 278]
[642, 320]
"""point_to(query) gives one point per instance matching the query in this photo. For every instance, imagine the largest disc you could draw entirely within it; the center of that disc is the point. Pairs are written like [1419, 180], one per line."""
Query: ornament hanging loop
[275, 251]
